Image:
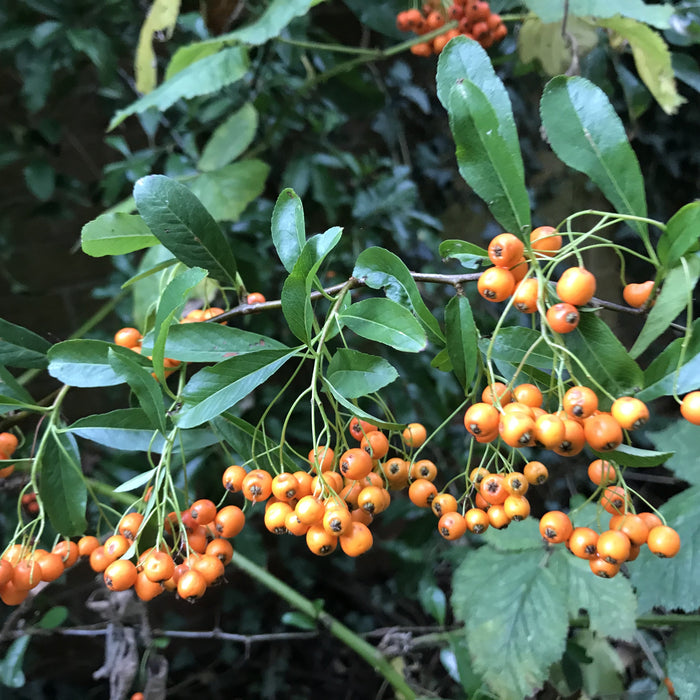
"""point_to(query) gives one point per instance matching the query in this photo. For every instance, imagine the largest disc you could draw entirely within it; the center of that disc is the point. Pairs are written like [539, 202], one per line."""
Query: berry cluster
[465, 17]
[512, 276]
[518, 419]
[336, 500]
[621, 542]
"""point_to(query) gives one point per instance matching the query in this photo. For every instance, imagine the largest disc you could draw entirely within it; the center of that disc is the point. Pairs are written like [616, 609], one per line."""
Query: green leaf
[652, 59]
[299, 620]
[441, 361]
[385, 321]
[629, 456]
[611, 605]
[585, 132]
[680, 236]
[226, 192]
[353, 374]
[214, 390]
[672, 583]
[204, 77]
[10, 387]
[464, 59]
[664, 370]
[525, 628]
[116, 234]
[53, 618]
[603, 676]
[682, 654]
[230, 139]
[20, 347]
[296, 304]
[169, 307]
[603, 356]
[288, 231]
[187, 55]
[682, 440]
[481, 120]
[380, 269]
[675, 292]
[210, 342]
[11, 673]
[469, 255]
[85, 363]
[269, 25]
[136, 481]
[143, 385]
[41, 179]
[62, 486]
[244, 439]
[553, 10]
[184, 226]
[130, 430]
[485, 160]
[511, 344]
[156, 268]
[522, 536]
[462, 337]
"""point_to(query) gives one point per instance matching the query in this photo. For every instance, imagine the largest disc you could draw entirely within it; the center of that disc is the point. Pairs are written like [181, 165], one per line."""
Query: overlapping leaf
[85, 363]
[184, 226]
[672, 583]
[210, 342]
[288, 231]
[680, 236]
[116, 234]
[296, 304]
[673, 298]
[524, 629]
[673, 367]
[585, 132]
[20, 347]
[62, 485]
[354, 374]
[462, 337]
[603, 356]
[277, 16]
[213, 390]
[208, 75]
[229, 139]
[380, 269]
[131, 430]
[385, 321]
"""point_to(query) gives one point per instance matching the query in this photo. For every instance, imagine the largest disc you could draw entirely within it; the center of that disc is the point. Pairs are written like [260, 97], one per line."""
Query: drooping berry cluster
[621, 542]
[337, 498]
[465, 17]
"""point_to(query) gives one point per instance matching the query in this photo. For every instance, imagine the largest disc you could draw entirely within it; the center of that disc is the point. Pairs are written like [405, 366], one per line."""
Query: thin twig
[455, 281]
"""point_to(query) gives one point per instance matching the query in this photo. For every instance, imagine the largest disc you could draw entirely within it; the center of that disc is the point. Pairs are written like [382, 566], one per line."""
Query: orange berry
[496, 284]
[636, 295]
[127, 337]
[664, 541]
[563, 318]
[690, 407]
[576, 286]
[414, 435]
[545, 240]
[505, 250]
